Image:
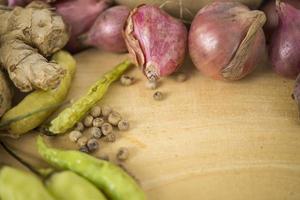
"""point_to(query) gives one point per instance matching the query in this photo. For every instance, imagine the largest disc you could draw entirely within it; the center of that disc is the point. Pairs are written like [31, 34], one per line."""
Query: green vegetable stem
[71, 115]
[111, 179]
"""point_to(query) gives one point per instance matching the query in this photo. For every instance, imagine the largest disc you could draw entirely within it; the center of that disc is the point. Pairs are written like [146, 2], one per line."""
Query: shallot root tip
[151, 72]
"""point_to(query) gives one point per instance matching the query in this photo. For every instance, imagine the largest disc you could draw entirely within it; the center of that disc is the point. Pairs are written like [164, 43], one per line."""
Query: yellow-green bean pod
[20, 185]
[111, 179]
[44, 101]
[71, 115]
[67, 185]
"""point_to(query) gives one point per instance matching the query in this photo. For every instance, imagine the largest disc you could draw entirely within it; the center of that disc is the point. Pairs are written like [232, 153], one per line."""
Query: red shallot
[272, 17]
[80, 16]
[106, 32]
[285, 41]
[226, 40]
[155, 40]
[12, 3]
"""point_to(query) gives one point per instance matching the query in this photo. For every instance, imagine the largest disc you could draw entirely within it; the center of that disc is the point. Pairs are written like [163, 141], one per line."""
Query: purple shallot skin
[285, 43]
[80, 16]
[226, 40]
[106, 32]
[155, 40]
[12, 3]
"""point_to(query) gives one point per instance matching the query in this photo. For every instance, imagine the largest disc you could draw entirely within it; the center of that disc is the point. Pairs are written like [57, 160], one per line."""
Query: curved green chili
[19, 185]
[67, 185]
[70, 116]
[58, 183]
[111, 179]
[36, 107]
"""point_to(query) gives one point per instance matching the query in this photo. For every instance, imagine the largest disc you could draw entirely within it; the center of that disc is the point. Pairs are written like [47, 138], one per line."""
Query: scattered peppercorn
[92, 144]
[110, 137]
[74, 135]
[126, 80]
[96, 111]
[122, 154]
[95, 132]
[88, 121]
[152, 85]
[82, 141]
[158, 96]
[84, 149]
[97, 122]
[114, 118]
[106, 128]
[181, 77]
[79, 126]
[123, 125]
[106, 110]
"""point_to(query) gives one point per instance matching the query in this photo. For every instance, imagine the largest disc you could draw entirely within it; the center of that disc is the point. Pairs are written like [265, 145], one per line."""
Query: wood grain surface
[206, 140]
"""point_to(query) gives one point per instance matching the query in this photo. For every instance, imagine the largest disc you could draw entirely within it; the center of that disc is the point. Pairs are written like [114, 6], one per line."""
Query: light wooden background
[207, 140]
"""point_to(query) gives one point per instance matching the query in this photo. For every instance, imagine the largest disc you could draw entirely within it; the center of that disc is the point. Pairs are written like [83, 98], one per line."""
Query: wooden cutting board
[206, 140]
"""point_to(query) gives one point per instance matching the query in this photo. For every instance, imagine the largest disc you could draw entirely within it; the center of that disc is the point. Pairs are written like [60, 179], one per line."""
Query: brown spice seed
[158, 96]
[122, 154]
[96, 111]
[95, 132]
[106, 128]
[106, 110]
[88, 121]
[110, 137]
[123, 125]
[92, 144]
[126, 80]
[79, 126]
[114, 118]
[82, 141]
[97, 122]
[74, 135]
[84, 149]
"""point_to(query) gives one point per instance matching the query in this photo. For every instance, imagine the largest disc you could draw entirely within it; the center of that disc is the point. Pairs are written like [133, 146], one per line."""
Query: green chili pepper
[67, 185]
[70, 116]
[20, 119]
[111, 179]
[19, 185]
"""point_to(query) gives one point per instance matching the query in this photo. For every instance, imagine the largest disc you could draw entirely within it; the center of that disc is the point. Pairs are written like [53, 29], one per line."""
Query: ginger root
[27, 36]
[5, 94]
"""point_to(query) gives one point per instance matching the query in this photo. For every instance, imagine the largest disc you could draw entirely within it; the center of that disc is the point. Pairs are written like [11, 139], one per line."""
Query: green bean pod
[111, 179]
[71, 115]
[19, 185]
[67, 185]
[44, 101]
